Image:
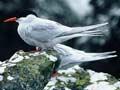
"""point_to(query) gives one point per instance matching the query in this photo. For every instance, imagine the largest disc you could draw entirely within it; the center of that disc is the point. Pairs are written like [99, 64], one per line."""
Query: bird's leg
[38, 49]
[54, 73]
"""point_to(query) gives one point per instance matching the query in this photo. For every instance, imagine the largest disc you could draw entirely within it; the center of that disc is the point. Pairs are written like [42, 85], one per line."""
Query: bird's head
[26, 19]
[22, 16]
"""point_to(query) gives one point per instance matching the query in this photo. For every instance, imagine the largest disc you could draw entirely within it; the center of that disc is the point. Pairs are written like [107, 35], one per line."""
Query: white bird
[45, 33]
[69, 56]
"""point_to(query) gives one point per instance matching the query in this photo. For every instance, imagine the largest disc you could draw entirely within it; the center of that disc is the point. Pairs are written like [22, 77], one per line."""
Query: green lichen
[29, 74]
[82, 80]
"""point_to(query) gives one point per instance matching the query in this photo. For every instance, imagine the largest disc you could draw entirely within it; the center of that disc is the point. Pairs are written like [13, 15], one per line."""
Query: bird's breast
[24, 31]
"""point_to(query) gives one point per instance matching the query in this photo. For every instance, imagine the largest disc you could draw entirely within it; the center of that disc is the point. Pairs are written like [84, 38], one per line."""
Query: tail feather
[70, 56]
[79, 62]
[87, 29]
[102, 54]
[98, 58]
[65, 38]
[93, 30]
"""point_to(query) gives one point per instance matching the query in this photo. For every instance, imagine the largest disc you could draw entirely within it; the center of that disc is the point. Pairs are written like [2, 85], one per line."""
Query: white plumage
[70, 56]
[45, 33]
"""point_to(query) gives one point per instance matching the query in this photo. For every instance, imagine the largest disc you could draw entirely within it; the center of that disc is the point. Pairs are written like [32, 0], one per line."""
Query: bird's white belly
[27, 40]
[25, 34]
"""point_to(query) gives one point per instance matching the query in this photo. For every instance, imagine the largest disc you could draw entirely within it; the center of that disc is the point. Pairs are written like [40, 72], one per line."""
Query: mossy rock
[76, 78]
[31, 73]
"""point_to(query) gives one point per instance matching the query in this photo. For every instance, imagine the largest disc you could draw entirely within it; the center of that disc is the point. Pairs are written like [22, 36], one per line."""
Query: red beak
[13, 19]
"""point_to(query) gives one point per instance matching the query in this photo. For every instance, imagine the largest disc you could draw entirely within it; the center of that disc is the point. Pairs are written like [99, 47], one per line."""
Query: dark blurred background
[70, 13]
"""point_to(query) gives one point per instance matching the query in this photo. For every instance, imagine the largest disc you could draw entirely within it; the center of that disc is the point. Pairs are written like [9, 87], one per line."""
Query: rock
[76, 78]
[32, 71]
[26, 71]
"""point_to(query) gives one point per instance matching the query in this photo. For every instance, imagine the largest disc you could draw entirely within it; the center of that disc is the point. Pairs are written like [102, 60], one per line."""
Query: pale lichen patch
[26, 57]
[16, 58]
[10, 78]
[66, 79]
[1, 77]
[100, 86]
[94, 76]
[52, 58]
[34, 54]
[2, 69]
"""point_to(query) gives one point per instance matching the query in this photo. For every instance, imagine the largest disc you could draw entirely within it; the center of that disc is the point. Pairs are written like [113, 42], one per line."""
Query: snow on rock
[52, 58]
[21, 52]
[71, 70]
[67, 88]
[117, 84]
[51, 88]
[101, 86]
[52, 81]
[34, 54]
[10, 64]
[66, 79]
[10, 78]
[0, 62]
[43, 53]
[82, 80]
[68, 71]
[27, 57]
[16, 58]
[51, 84]
[96, 76]
[2, 69]
[77, 67]
[1, 77]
